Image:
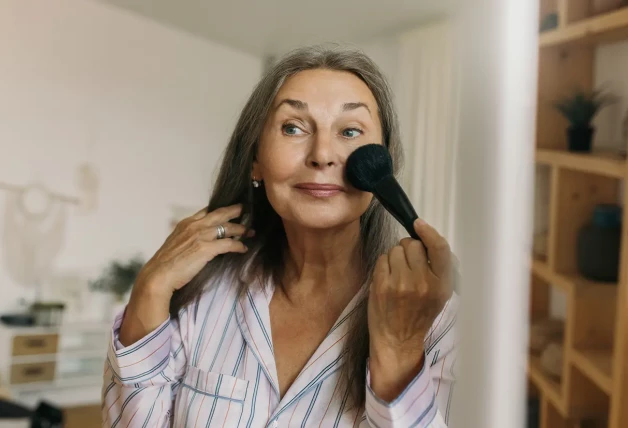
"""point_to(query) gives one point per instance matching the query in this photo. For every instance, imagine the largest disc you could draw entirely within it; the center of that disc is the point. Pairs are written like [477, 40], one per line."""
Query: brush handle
[394, 199]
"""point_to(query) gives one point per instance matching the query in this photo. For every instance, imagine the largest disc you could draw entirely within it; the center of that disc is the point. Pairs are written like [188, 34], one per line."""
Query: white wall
[424, 82]
[385, 52]
[150, 107]
[611, 63]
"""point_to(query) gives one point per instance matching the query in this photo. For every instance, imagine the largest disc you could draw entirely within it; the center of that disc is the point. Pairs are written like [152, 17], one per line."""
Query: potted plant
[580, 109]
[116, 281]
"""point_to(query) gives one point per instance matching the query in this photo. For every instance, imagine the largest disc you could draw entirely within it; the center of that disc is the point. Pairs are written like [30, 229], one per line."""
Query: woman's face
[317, 119]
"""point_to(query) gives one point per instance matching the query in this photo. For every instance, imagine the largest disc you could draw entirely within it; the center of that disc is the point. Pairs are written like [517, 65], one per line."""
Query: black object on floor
[9, 410]
[24, 320]
[47, 416]
[44, 416]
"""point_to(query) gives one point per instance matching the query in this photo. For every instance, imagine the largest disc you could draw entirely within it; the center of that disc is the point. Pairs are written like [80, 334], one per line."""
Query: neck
[320, 262]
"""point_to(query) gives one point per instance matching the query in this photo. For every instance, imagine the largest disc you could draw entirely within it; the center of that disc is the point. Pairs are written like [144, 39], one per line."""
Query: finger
[382, 269]
[438, 251]
[232, 230]
[222, 215]
[399, 269]
[191, 219]
[199, 214]
[223, 246]
[415, 254]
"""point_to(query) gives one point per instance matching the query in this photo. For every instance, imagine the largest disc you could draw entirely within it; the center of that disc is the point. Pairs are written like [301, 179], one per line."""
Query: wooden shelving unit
[594, 382]
[597, 365]
[548, 385]
[607, 28]
[603, 163]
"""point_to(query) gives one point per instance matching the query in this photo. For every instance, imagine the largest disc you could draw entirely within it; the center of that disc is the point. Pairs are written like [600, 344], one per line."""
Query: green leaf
[118, 278]
[581, 107]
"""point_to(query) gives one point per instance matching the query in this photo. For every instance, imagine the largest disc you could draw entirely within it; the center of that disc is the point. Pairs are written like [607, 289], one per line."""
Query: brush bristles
[367, 165]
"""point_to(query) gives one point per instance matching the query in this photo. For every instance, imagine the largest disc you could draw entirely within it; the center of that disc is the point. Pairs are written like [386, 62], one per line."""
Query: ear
[256, 173]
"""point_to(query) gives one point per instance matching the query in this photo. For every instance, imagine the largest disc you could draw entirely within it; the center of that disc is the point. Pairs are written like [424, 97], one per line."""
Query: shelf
[609, 164]
[582, 284]
[86, 327]
[58, 383]
[606, 28]
[548, 386]
[63, 354]
[570, 282]
[596, 365]
[543, 271]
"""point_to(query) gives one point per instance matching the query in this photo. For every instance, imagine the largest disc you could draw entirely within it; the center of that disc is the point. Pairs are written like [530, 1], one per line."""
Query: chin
[323, 213]
[324, 218]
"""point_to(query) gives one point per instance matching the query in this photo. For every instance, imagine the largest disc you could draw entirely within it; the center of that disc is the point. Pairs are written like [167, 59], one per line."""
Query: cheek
[277, 166]
[355, 203]
[364, 200]
[278, 171]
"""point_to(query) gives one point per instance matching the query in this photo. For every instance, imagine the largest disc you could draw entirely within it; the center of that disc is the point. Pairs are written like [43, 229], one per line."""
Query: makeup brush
[370, 169]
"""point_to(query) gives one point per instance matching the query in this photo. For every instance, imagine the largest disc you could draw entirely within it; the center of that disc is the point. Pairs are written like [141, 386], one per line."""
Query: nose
[322, 152]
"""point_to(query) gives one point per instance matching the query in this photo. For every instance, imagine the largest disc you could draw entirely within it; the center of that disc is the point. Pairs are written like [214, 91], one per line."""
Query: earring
[256, 184]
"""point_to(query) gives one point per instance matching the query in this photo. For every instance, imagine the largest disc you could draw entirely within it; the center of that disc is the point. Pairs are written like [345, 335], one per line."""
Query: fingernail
[420, 222]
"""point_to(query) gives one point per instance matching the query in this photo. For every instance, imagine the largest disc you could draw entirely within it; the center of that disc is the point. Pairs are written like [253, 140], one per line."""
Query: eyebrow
[300, 105]
[353, 106]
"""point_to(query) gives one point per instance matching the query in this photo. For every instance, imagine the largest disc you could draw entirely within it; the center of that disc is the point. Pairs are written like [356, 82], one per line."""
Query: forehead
[326, 87]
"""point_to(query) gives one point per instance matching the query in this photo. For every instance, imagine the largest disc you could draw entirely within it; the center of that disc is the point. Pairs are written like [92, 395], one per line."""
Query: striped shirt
[214, 367]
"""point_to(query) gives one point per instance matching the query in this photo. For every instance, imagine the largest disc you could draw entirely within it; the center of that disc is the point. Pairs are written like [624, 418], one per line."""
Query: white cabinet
[63, 365]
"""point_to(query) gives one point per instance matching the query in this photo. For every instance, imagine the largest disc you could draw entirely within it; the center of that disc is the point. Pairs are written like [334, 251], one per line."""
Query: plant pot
[599, 244]
[580, 139]
[549, 22]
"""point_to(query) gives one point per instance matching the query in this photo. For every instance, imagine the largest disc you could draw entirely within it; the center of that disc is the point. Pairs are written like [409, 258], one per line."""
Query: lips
[319, 186]
[320, 190]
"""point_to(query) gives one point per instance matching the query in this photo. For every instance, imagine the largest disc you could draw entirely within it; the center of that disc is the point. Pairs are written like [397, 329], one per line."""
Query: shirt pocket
[209, 399]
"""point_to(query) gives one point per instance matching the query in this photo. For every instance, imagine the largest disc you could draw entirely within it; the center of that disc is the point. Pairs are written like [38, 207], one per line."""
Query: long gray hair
[378, 232]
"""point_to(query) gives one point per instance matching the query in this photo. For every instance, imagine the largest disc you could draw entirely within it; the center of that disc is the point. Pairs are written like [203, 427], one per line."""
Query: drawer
[35, 344]
[68, 367]
[84, 341]
[32, 372]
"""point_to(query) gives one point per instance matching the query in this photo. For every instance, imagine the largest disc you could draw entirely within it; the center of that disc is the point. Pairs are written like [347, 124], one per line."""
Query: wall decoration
[87, 184]
[34, 225]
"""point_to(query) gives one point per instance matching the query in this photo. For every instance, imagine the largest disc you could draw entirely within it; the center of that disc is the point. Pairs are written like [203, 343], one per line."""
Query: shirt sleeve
[141, 380]
[426, 401]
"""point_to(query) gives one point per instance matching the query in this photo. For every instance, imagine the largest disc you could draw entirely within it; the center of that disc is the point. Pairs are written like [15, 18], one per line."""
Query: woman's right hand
[192, 244]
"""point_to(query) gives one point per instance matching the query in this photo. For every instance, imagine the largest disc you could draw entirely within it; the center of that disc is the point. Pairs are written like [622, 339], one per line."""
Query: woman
[289, 301]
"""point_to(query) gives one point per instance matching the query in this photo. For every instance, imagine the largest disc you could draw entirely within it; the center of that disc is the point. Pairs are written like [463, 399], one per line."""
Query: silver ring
[220, 231]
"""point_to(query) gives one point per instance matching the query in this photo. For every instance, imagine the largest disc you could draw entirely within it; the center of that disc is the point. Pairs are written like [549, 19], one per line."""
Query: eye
[351, 132]
[291, 129]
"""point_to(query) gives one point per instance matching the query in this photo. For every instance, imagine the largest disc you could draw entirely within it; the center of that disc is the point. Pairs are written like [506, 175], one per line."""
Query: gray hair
[265, 259]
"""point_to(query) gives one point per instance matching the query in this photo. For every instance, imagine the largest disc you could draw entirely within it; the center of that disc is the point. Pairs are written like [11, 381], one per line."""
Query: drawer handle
[36, 343]
[33, 371]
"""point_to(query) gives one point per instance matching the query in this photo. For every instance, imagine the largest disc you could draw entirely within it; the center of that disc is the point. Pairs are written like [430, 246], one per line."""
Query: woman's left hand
[406, 295]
